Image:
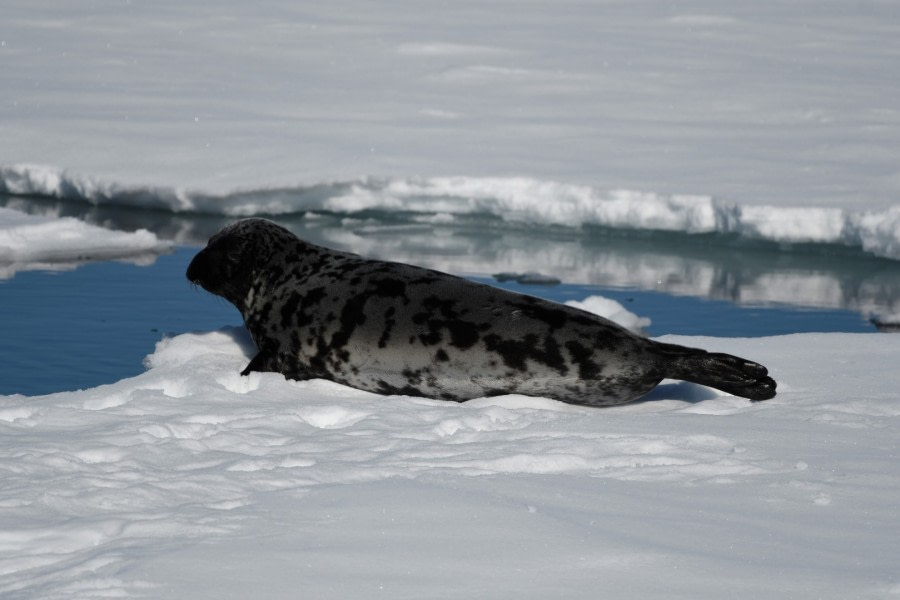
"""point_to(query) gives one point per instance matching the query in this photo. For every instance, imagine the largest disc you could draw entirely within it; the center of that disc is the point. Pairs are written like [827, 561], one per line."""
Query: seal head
[228, 265]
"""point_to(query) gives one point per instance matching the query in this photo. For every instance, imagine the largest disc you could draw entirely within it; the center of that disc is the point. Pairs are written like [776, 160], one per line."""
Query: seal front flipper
[263, 362]
[267, 361]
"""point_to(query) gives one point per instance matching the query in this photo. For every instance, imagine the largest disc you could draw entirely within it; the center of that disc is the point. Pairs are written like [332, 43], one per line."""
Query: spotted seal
[394, 328]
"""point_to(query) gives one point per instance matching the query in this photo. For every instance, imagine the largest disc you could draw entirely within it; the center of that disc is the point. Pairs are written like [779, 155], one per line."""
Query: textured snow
[766, 120]
[190, 481]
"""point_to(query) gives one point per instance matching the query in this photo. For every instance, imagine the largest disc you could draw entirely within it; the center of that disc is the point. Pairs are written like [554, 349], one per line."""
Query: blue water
[94, 325]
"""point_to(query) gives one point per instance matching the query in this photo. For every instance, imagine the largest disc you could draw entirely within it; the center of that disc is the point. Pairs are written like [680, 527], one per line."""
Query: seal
[394, 328]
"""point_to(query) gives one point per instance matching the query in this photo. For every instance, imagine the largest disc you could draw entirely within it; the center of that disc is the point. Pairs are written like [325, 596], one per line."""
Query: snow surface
[612, 310]
[190, 481]
[31, 242]
[765, 119]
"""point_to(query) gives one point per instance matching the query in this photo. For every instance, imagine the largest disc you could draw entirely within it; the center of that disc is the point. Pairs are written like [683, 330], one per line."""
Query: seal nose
[196, 268]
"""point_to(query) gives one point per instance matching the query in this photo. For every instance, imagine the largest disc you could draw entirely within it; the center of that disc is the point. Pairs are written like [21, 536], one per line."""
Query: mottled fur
[399, 329]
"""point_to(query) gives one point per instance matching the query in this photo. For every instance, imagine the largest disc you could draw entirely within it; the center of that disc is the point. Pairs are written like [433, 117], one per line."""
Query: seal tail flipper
[724, 372]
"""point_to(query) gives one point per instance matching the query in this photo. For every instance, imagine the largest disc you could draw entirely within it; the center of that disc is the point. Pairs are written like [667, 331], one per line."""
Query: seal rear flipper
[724, 372]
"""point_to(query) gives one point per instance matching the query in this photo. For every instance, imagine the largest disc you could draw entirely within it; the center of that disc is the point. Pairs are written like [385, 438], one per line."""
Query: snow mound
[612, 310]
[162, 484]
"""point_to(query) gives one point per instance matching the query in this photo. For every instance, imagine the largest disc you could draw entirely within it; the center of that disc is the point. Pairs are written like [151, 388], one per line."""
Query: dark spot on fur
[432, 336]
[389, 323]
[429, 278]
[512, 352]
[313, 296]
[515, 353]
[390, 288]
[463, 335]
[289, 310]
[317, 362]
[441, 356]
[444, 306]
[276, 271]
[441, 316]
[583, 357]
[352, 316]
[413, 377]
[393, 390]
[263, 314]
[551, 355]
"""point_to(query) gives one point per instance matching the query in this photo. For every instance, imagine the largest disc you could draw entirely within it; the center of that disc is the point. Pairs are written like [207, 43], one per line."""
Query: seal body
[394, 328]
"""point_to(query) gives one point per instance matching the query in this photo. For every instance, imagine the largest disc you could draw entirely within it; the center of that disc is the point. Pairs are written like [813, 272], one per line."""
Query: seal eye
[234, 256]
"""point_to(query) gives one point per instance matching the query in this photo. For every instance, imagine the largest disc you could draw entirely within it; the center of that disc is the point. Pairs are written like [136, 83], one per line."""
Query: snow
[31, 242]
[517, 200]
[772, 120]
[612, 310]
[765, 120]
[190, 481]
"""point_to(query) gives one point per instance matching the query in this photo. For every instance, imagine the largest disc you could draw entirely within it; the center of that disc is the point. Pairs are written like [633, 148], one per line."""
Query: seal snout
[197, 269]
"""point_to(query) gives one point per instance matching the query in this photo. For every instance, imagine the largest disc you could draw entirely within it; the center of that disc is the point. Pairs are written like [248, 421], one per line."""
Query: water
[95, 324]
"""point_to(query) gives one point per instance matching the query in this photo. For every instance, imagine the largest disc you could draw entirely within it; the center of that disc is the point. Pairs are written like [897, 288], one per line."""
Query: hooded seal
[394, 328]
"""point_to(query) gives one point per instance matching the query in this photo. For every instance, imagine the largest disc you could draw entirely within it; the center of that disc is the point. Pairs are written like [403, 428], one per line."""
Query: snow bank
[519, 200]
[192, 481]
[30, 242]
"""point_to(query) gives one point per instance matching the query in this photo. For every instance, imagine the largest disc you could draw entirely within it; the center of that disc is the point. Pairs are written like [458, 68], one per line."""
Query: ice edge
[512, 199]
